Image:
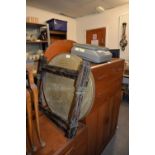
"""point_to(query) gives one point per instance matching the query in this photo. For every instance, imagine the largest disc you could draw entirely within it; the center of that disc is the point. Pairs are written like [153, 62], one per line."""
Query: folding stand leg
[28, 147]
[81, 84]
[29, 114]
[34, 90]
[35, 98]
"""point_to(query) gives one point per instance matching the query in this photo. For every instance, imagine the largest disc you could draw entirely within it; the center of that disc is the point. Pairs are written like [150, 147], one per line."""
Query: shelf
[35, 24]
[31, 61]
[36, 42]
[58, 32]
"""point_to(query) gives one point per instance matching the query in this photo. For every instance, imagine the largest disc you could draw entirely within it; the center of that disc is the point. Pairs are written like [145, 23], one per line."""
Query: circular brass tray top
[59, 91]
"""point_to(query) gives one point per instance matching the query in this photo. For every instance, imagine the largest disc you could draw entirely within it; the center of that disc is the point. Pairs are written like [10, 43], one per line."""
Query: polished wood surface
[30, 141]
[32, 101]
[59, 46]
[102, 120]
[100, 123]
[56, 141]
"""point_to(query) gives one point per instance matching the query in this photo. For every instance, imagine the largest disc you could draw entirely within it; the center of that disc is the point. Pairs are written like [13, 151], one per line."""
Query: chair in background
[32, 101]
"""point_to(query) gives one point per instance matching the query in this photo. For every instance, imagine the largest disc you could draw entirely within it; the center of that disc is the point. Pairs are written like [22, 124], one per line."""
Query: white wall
[45, 15]
[108, 19]
[77, 27]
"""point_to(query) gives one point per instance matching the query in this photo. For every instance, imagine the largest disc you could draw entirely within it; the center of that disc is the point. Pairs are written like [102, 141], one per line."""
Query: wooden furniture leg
[28, 147]
[34, 89]
[29, 116]
[35, 99]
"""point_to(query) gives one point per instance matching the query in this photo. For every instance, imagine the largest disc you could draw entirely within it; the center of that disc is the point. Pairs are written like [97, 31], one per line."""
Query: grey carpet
[119, 144]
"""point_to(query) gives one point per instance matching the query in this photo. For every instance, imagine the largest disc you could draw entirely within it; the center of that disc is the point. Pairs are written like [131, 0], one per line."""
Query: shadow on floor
[119, 144]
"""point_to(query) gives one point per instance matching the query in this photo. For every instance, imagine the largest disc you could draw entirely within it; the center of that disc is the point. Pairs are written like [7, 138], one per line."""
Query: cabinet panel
[102, 120]
[103, 126]
[92, 130]
[77, 146]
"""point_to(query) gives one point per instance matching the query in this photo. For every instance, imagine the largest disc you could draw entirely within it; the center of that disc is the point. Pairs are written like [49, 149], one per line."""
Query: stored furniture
[102, 120]
[29, 139]
[32, 101]
[68, 90]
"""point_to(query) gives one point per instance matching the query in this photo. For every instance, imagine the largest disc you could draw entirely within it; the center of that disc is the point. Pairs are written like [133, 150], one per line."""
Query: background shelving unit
[35, 30]
[58, 29]
[34, 44]
[57, 35]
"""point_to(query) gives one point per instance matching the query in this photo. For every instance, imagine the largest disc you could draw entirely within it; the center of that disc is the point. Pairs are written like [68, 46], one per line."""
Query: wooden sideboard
[98, 126]
[102, 120]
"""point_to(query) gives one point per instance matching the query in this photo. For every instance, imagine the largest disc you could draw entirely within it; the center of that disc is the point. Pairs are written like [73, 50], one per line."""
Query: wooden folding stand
[32, 100]
[81, 78]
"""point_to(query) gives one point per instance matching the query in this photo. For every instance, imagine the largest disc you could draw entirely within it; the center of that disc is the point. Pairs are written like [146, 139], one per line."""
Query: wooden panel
[59, 46]
[102, 120]
[57, 143]
[78, 145]
[102, 126]
[100, 35]
[92, 130]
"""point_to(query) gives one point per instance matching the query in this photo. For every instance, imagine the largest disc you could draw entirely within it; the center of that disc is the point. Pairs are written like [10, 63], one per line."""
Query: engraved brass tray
[59, 90]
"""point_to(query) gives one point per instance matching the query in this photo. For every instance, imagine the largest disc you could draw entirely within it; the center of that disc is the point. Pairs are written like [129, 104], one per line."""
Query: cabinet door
[103, 125]
[115, 112]
[96, 36]
[107, 120]
[91, 122]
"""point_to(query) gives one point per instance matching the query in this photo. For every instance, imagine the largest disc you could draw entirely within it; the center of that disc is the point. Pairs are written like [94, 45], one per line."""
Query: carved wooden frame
[81, 80]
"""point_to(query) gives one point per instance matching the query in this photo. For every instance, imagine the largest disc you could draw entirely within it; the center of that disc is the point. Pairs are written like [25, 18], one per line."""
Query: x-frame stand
[81, 78]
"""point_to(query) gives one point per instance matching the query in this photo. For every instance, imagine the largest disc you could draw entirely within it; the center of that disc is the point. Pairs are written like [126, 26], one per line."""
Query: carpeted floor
[119, 145]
